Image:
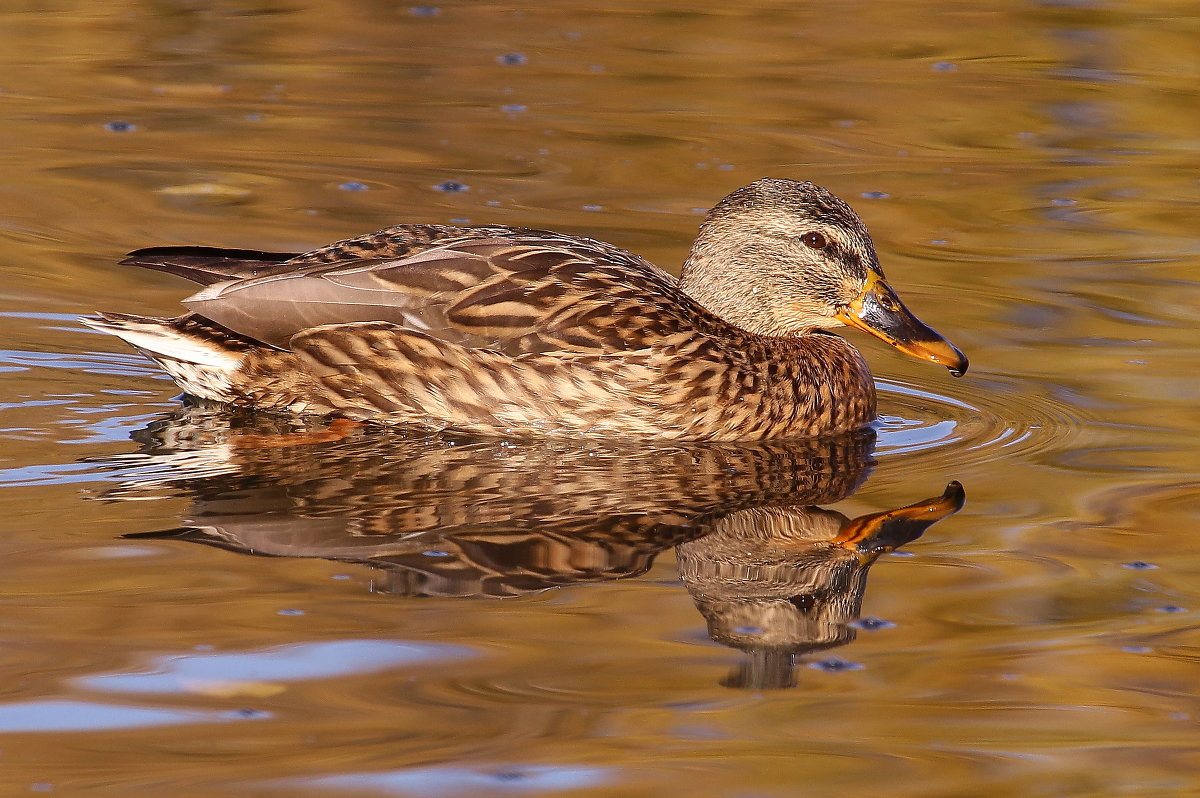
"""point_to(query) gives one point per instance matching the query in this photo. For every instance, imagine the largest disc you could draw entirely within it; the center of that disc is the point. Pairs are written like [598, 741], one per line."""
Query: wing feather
[519, 293]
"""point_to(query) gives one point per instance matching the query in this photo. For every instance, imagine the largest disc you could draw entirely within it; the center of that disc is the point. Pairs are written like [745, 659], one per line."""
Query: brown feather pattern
[515, 331]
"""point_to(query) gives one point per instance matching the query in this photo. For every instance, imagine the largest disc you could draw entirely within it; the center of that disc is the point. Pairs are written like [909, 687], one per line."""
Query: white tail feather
[199, 366]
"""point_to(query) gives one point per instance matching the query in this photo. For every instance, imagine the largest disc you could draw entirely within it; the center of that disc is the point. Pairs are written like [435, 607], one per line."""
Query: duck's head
[781, 257]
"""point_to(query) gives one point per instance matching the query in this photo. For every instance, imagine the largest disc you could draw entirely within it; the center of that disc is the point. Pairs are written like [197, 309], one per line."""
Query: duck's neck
[718, 283]
[826, 380]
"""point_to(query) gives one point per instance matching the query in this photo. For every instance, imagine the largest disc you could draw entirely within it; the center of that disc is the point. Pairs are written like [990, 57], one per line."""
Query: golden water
[453, 618]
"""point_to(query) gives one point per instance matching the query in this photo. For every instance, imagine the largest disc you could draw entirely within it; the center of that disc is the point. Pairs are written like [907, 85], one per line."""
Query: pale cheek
[795, 318]
[825, 321]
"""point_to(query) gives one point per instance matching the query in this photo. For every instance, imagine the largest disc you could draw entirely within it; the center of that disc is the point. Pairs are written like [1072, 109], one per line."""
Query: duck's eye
[814, 239]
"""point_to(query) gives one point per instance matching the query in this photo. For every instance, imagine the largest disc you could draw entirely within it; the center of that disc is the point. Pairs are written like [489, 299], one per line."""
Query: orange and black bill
[870, 535]
[880, 312]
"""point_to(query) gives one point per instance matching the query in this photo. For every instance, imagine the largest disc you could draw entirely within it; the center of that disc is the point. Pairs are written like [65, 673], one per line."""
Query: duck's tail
[200, 355]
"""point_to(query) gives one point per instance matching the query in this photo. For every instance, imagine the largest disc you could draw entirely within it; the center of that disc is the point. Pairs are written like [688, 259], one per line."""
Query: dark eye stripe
[837, 252]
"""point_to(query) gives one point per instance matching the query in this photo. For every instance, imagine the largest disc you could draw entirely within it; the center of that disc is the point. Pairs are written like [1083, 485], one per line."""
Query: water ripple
[60, 715]
[1013, 420]
[226, 670]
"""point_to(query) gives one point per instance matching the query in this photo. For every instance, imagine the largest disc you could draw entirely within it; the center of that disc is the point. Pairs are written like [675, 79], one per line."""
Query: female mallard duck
[511, 331]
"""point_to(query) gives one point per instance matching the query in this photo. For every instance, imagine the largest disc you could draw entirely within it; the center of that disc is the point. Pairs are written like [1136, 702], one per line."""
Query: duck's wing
[208, 265]
[512, 293]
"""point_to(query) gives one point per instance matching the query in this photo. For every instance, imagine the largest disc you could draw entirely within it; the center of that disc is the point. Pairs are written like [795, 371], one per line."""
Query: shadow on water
[773, 574]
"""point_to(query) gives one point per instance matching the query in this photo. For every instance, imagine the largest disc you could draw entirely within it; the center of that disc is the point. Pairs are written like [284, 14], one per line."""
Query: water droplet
[353, 185]
[1139, 565]
[944, 66]
[424, 11]
[247, 713]
[290, 612]
[593, 207]
[874, 195]
[435, 553]
[835, 665]
[451, 186]
[120, 126]
[511, 59]
[1172, 608]
[1136, 649]
[871, 623]
[509, 775]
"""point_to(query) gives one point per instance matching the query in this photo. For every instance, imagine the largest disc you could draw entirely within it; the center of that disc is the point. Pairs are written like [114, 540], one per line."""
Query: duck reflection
[782, 582]
[773, 574]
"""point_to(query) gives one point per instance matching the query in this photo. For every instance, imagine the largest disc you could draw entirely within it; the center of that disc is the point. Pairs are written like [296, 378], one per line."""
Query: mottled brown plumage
[513, 331]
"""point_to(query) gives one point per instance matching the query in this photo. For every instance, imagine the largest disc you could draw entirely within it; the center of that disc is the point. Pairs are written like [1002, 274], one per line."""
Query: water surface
[189, 606]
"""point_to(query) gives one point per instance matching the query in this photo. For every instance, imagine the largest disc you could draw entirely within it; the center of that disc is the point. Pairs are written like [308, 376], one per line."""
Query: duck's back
[508, 290]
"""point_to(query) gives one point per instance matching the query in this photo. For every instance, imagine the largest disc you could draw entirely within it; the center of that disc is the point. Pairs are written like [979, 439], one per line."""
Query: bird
[518, 332]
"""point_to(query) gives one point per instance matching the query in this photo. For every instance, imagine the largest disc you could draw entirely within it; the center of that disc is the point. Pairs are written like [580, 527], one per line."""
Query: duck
[518, 332]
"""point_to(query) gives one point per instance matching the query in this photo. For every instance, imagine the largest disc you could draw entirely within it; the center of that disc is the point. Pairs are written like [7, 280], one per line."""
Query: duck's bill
[869, 535]
[880, 312]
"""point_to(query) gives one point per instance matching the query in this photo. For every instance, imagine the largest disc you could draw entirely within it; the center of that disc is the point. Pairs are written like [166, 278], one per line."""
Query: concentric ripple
[1013, 420]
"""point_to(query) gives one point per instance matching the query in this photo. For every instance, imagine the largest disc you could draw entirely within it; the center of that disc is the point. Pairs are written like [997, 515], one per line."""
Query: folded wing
[511, 294]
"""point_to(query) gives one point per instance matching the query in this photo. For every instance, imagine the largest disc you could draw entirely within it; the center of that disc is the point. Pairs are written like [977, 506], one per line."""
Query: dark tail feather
[208, 265]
